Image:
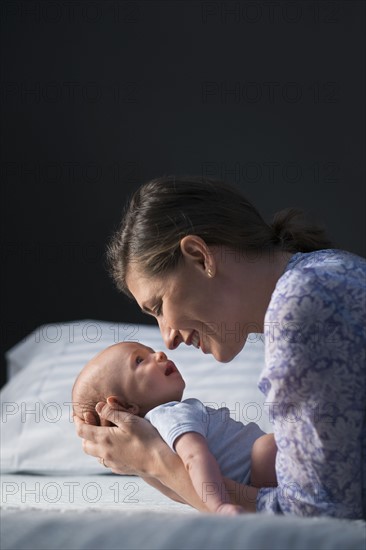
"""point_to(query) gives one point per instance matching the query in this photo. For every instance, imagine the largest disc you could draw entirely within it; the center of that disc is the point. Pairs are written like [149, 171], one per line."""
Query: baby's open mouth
[170, 368]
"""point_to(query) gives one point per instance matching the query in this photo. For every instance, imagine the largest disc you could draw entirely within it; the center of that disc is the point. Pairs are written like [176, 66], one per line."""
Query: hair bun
[284, 222]
[295, 233]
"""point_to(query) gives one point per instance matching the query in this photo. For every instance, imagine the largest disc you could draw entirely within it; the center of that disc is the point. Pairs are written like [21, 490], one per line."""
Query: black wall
[99, 96]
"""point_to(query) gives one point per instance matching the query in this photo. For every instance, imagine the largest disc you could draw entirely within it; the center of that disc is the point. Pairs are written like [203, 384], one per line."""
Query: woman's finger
[106, 453]
[91, 418]
[92, 449]
[88, 431]
[117, 417]
[124, 446]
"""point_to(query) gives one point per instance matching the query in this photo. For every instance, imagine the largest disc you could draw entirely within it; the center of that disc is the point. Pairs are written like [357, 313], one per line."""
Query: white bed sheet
[92, 492]
[123, 512]
[158, 524]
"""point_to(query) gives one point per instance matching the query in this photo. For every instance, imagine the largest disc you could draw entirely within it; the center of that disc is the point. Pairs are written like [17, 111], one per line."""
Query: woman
[197, 256]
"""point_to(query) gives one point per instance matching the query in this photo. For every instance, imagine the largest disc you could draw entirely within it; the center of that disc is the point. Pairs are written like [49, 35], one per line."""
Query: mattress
[53, 496]
[122, 512]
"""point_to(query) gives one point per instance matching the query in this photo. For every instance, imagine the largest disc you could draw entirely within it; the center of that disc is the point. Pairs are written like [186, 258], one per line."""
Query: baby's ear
[117, 403]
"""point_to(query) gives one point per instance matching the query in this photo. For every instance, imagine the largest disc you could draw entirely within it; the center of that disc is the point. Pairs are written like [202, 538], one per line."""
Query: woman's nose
[172, 338]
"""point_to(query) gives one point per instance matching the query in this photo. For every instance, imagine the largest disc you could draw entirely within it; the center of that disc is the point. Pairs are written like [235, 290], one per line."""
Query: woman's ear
[194, 249]
[117, 403]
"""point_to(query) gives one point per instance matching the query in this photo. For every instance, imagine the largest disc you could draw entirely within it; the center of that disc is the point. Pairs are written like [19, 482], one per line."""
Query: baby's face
[144, 377]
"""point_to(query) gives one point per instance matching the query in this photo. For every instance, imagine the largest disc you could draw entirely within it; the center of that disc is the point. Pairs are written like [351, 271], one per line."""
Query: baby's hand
[230, 510]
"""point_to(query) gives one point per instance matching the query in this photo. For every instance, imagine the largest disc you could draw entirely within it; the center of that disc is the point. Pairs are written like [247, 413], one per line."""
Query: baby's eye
[138, 360]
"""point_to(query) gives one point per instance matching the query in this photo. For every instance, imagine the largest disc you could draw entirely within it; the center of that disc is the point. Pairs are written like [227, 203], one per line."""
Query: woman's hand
[129, 445]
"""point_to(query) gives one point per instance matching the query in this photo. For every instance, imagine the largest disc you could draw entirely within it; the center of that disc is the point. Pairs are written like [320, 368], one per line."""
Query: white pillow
[37, 431]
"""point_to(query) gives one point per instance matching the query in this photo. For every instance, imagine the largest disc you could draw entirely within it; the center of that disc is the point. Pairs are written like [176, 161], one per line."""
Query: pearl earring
[209, 273]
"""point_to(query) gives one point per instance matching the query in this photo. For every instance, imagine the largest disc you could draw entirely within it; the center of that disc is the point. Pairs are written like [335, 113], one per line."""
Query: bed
[53, 496]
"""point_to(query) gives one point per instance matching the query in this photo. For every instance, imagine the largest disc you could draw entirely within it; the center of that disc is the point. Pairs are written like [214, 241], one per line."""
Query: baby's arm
[263, 473]
[205, 473]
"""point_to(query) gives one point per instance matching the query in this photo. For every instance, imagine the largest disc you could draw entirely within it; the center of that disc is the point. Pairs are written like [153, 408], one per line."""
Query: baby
[210, 443]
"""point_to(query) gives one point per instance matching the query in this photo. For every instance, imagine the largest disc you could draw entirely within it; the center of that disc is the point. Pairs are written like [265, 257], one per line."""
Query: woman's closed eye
[158, 309]
[154, 311]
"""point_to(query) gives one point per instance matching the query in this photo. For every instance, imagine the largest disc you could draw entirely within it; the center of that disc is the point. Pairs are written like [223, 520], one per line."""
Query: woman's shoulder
[322, 269]
[328, 260]
[328, 277]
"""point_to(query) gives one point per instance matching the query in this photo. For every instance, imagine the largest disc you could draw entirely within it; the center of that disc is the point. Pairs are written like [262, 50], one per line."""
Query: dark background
[100, 96]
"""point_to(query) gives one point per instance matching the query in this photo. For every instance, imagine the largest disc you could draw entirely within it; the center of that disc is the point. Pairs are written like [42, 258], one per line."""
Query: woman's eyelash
[139, 360]
[158, 310]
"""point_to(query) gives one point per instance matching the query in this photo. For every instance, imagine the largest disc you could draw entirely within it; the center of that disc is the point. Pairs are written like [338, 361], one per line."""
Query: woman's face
[193, 308]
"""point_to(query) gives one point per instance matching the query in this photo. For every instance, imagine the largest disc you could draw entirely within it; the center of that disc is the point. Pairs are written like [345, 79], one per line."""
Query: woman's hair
[164, 210]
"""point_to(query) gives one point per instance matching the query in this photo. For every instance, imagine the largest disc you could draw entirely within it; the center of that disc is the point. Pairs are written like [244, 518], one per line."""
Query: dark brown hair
[163, 211]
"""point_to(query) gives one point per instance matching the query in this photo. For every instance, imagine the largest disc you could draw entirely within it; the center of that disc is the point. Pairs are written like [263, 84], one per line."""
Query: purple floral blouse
[314, 383]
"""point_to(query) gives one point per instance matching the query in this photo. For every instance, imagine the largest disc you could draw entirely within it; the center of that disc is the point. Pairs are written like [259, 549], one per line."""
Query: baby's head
[133, 374]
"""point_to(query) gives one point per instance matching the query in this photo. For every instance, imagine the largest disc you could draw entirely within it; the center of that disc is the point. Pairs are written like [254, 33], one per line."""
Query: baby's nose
[160, 356]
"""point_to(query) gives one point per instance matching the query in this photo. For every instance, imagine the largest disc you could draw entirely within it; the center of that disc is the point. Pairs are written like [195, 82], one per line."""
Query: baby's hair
[93, 385]
[85, 396]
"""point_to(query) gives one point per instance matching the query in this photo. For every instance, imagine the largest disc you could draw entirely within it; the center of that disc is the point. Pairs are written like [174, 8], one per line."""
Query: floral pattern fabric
[314, 382]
